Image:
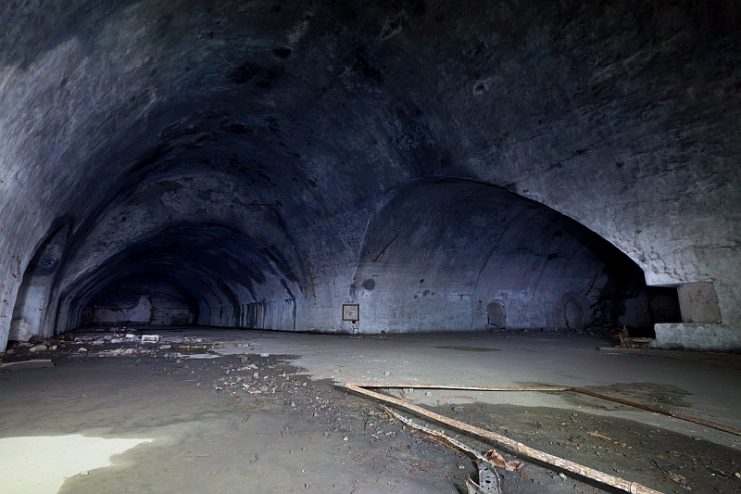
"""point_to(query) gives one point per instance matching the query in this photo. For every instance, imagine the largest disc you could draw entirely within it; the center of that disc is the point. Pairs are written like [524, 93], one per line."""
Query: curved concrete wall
[439, 253]
[288, 125]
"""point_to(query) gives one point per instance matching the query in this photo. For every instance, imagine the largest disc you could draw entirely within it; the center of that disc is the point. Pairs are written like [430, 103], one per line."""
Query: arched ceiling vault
[291, 122]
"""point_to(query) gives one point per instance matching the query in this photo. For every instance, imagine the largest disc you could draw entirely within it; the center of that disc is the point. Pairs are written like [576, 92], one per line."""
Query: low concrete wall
[697, 336]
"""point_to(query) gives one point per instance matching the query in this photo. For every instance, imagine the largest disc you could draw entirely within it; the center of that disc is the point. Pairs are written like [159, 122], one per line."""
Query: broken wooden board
[559, 389]
[491, 457]
[41, 363]
[515, 447]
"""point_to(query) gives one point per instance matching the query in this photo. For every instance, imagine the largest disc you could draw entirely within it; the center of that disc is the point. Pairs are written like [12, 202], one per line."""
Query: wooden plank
[492, 458]
[27, 364]
[560, 389]
[515, 447]
[659, 410]
[540, 389]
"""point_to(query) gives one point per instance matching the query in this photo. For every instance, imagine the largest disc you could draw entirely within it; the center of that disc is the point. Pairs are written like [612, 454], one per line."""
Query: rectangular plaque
[350, 312]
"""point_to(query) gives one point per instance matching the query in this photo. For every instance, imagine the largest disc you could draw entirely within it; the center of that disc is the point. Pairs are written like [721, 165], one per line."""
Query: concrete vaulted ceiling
[285, 153]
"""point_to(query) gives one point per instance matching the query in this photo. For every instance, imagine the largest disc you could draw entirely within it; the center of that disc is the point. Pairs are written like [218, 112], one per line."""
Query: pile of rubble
[118, 342]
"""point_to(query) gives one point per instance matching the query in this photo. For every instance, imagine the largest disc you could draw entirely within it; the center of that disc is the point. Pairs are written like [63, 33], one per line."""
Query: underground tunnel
[361, 191]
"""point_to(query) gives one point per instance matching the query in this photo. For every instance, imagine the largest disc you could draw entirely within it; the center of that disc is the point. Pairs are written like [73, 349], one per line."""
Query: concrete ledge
[697, 336]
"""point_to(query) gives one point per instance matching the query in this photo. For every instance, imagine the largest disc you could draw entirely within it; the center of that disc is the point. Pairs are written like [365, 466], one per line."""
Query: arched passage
[445, 254]
[144, 299]
[214, 273]
[33, 314]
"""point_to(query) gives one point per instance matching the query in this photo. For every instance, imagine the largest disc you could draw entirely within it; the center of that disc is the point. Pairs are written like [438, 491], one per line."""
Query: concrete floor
[708, 384]
[154, 424]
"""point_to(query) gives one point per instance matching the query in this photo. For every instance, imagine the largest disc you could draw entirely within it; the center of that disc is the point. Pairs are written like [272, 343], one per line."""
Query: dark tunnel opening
[142, 300]
[437, 254]
[191, 274]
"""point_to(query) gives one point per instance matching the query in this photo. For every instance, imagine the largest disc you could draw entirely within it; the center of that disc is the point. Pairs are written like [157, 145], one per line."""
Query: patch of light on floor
[41, 464]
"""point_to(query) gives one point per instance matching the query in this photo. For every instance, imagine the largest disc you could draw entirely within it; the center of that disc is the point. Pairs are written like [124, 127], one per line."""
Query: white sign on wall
[351, 312]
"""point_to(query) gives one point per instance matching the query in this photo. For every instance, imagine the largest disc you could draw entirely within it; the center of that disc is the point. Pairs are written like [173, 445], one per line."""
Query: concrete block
[697, 336]
[699, 302]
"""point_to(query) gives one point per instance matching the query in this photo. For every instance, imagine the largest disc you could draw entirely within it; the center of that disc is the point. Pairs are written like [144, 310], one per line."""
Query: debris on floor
[116, 352]
[489, 481]
[522, 450]
[248, 387]
[491, 458]
[627, 341]
[198, 356]
[603, 437]
[122, 342]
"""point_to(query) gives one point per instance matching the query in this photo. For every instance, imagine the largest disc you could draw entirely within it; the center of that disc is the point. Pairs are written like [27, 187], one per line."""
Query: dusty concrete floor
[156, 421]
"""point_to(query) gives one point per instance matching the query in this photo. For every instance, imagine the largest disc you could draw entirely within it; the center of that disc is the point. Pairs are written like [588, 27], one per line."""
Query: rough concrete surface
[265, 417]
[488, 185]
[271, 161]
[698, 336]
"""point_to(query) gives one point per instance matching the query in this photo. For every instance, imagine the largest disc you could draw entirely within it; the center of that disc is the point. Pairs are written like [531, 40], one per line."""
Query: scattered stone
[675, 477]
[264, 355]
[165, 347]
[82, 349]
[38, 348]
